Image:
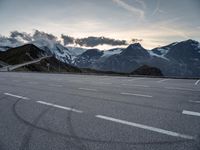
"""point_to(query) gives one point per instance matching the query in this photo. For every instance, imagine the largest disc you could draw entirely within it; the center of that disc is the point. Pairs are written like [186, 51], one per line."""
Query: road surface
[87, 112]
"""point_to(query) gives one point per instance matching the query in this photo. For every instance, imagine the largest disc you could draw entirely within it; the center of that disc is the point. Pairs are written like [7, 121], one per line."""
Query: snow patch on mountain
[108, 53]
[156, 55]
[163, 51]
[173, 44]
[77, 50]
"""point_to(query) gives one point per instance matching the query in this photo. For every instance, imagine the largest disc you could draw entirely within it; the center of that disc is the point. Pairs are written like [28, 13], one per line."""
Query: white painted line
[132, 94]
[16, 96]
[104, 83]
[191, 113]
[86, 89]
[184, 89]
[163, 80]
[197, 82]
[135, 79]
[16, 81]
[55, 85]
[61, 107]
[32, 82]
[141, 126]
[146, 86]
[140, 85]
[191, 101]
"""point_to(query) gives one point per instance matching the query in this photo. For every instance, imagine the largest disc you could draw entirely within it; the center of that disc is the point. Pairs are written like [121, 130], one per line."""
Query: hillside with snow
[176, 59]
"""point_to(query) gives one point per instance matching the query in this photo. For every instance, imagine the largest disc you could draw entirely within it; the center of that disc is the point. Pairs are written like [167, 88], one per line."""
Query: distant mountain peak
[135, 50]
[191, 41]
[135, 45]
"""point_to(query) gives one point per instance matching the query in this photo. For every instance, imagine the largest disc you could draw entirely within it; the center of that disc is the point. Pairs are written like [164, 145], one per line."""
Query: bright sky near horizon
[156, 22]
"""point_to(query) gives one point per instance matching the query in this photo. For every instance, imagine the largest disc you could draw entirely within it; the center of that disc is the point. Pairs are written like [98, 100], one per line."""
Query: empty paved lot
[87, 112]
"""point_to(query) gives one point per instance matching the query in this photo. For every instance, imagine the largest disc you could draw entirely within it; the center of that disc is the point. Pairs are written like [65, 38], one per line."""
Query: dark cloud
[134, 40]
[42, 35]
[9, 42]
[67, 39]
[95, 41]
[23, 35]
[92, 41]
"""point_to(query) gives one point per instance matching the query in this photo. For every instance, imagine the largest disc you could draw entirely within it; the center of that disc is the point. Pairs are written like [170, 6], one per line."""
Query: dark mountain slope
[50, 64]
[88, 58]
[21, 54]
[129, 59]
[29, 53]
[147, 70]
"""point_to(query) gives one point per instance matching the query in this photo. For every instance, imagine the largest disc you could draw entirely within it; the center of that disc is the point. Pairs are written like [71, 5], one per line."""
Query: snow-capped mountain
[88, 58]
[119, 60]
[111, 52]
[51, 46]
[93, 58]
[77, 50]
[30, 52]
[55, 48]
[176, 59]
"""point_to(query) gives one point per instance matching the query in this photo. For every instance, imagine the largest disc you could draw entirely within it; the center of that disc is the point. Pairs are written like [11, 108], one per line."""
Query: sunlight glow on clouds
[156, 22]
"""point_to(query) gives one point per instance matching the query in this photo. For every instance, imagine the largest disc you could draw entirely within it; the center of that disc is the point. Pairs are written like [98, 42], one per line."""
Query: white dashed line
[135, 79]
[184, 89]
[132, 94]
[104, 83]
[141, 126]
[32, 82]
[197, 82]
[191, 101]
[163, 80]
[55, 85]
[191, 113]
[146, 86]
[16, 96]
[61, 107]
[16, 81]
[86, 89]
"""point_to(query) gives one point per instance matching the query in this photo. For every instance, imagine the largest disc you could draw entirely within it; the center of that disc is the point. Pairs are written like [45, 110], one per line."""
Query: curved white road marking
[150, 128]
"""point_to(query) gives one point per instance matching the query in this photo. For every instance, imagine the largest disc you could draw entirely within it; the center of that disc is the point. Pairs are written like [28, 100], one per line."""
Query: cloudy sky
[156, 22]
